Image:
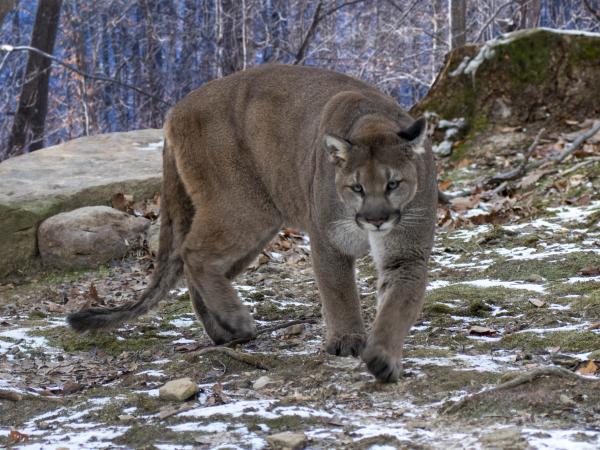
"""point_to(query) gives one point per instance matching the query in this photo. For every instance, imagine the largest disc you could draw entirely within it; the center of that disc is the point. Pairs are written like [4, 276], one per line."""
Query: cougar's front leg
[334, 272]
[401, 289]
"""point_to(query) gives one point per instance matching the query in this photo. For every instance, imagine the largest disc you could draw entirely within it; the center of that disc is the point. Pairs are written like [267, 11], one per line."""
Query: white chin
[380, 230]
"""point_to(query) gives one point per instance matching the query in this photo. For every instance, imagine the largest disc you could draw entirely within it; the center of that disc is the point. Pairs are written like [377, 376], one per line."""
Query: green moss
[70, 341]
[468, 294]
[528, 61]
[478, 308]
[568, 341]
[141, 436]
[437, 308]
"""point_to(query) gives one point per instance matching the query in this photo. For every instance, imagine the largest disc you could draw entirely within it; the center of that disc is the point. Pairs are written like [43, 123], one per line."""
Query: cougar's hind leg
[216, 249]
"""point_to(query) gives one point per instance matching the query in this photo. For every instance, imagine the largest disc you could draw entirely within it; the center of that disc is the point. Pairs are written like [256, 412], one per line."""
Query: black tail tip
[88, 319]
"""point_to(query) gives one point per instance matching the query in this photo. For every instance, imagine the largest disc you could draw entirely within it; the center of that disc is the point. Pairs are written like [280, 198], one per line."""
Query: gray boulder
[87, 237]
[82, 172]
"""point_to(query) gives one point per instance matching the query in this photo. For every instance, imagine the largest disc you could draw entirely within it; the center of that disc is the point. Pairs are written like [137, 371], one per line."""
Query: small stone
[287, 440]
[126, 418]
[566, 400]
[70, 387]
[294, 330]
[178, 390]
[262, 382]
[535, 278]
[510, 434]
[537, 302]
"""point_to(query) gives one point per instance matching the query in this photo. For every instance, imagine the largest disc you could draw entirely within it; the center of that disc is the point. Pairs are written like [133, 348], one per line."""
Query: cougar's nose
[377, 221]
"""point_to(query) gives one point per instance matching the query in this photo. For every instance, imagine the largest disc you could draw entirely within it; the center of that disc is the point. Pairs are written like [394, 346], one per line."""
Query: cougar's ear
[337, 149]
[415, 135]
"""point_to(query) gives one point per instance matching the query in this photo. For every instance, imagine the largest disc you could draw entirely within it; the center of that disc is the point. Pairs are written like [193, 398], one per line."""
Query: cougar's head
[375, 171]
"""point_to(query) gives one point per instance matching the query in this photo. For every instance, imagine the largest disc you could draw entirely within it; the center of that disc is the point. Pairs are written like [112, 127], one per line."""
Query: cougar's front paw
[346, 344]
[240, 324]
[381, 363]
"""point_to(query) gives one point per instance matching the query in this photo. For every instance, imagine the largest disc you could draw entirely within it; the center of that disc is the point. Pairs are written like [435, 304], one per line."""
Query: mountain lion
[305, 148]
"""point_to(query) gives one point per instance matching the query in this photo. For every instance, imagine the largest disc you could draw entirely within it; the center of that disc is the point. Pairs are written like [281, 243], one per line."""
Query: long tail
[176, 213]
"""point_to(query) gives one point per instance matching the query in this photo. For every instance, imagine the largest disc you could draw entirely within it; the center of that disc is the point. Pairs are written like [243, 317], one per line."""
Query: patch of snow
[558, 307]
[153, 373]
[161, 361]
[444, 148]
[244, 288]
[436, 284]
[184, 341]
[583, 279]
[468, 234]
[485, 283]
[581, 326]
[168, 333]
[478, 363]
[548, 438]
[214, 427]
[575, 213]
[179, 291]
[183, 322]
[527, 253]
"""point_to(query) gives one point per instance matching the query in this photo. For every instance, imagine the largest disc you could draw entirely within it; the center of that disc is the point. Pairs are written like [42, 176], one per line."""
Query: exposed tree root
[252, 360]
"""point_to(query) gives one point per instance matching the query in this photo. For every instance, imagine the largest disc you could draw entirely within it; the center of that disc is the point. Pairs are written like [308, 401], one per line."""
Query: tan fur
[285, 145]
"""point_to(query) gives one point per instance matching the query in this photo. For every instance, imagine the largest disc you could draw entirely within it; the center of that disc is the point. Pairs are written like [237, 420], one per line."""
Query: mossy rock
[534, 75]
[87, 171]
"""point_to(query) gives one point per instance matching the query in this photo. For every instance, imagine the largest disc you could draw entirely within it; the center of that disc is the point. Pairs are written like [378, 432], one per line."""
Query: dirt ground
[506, 298]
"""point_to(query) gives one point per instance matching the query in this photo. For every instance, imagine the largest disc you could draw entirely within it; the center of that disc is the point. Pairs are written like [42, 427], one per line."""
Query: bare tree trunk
[458, 23]
[529, 13]
[5, 7]
[30, 118]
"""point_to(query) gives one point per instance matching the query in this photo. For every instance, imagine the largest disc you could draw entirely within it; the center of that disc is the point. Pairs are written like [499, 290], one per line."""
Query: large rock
[534, 75]
[87, 237]
[82, 172]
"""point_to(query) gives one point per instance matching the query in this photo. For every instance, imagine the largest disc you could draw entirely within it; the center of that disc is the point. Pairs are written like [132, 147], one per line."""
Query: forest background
[119, 65]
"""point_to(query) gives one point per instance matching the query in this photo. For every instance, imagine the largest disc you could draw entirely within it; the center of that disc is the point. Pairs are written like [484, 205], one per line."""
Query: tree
[28, 126]
[458, 23]
[5, 7]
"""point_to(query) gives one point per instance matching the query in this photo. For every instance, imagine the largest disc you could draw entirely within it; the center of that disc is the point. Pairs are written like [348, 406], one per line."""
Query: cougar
[305, 148]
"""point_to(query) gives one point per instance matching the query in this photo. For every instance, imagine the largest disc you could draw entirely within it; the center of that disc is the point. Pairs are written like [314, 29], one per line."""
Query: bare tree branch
[592, 10]
[492, 18]
[301, 54]
[10, 49]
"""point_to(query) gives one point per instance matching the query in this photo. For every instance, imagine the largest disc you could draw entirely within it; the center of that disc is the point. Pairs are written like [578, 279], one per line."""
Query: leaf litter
[511, 292]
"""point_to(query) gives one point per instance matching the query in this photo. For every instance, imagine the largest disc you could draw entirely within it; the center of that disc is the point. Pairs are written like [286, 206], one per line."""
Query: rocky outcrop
[88, 237]
[534, 75]
[82, 172]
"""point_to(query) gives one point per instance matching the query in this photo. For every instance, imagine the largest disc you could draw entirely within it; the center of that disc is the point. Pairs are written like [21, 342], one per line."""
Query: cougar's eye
[357, 188]
[392, 185]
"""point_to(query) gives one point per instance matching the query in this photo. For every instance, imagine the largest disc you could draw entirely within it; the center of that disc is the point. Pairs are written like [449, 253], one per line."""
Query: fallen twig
[10, 395]
[269, 330]
[246, 358]
[580, 165]
[577, 142]
[527, 378]
[522, 168]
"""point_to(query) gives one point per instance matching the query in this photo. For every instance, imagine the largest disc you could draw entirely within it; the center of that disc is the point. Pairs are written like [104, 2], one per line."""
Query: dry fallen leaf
[588, 368]
[590, 271]
[594, 326]
[16, 437]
